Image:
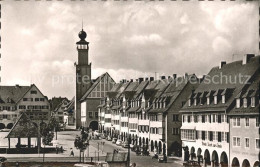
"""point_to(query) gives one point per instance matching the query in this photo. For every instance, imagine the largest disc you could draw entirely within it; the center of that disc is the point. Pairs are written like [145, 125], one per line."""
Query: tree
[54, 125]
[47, 136]
[81, 143]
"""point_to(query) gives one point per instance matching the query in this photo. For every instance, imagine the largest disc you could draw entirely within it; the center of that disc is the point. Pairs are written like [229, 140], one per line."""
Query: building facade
[22, 99]
[205, 130]
[143, 111]
[244, 126]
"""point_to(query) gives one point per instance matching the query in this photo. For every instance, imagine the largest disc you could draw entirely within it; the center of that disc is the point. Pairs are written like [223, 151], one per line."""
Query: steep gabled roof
[23, 128]
[14, 93]
[93, 86]
[224, 78]
[55, 102]
[252, 90]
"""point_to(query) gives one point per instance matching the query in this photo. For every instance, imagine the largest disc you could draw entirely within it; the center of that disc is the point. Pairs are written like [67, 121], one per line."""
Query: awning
[191, 127]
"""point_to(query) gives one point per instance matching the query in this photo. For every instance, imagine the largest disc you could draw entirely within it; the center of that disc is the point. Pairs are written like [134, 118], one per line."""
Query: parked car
[109, 138]
[103, 136]
[162, 158]
[96, 133]
[119, 142]
[191, 163]
[114, 140]
[125, 144]
[2, 159]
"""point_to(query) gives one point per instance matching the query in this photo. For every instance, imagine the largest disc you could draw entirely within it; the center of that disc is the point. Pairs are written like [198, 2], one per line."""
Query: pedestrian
[61, 149]
[133, 165]
[57, 150]
[71, 152]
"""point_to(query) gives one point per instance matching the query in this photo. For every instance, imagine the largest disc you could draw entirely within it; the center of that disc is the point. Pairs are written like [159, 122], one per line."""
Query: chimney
[140, 80]
[162, 77]
[17, 86]
[151, 78]
[174, 76]
[222, 63]
[186, 75]
[131, 80]
[169, 77]
[247, 57]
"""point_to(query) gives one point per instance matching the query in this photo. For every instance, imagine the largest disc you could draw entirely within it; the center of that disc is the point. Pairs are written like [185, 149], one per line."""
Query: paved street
[139, 160]
[66, 139]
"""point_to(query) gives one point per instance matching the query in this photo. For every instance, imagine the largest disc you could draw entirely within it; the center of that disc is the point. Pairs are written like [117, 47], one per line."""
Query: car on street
[191, 163]
[103, 136]
[125, 144]
[96, 133]
[114, 140]
[109, 138]
[2, 159]
[119, 142]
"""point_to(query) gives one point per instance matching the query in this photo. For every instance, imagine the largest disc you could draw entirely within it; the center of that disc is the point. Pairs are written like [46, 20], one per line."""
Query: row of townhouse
[220, 120]
[147, 111]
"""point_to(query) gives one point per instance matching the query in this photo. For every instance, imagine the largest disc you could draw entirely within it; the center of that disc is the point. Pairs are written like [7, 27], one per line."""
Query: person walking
[71, 152]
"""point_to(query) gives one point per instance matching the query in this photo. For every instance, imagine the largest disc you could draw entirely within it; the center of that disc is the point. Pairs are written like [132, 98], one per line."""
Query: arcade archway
[207, 157]
[256, 164]
[224, 159]
[215, 159]
[245, 163]
[2, 126]
[235, 162]
[9, 126]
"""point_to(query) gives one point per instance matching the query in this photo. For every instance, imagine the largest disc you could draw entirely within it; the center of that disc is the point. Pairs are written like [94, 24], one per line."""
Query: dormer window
[195, 102]
[189, 102]
[252, 101]
[215, 99]
[237, 103]
[164, 104]
[208, 100]
[223, 99]
[245, 102]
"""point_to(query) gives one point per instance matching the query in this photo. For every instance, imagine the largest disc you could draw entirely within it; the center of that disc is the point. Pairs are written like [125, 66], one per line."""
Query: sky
[128, 39]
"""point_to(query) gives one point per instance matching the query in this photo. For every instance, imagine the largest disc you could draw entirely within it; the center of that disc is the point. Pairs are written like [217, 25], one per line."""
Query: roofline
[30, 89]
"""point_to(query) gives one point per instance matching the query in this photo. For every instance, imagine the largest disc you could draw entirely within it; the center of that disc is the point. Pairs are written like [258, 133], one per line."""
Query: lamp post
[128, 152]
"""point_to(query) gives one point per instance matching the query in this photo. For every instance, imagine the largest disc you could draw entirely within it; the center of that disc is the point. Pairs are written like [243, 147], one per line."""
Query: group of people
[59, 149]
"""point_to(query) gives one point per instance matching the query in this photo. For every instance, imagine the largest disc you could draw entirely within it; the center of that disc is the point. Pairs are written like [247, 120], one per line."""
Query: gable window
[33, 92]
[237, 103]
[175, 117]
[252, 101]
[245, 102]
[90, 115]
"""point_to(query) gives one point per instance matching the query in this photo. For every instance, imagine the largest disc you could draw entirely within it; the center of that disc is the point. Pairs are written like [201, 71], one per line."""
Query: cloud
[127, 39]
[184, 19]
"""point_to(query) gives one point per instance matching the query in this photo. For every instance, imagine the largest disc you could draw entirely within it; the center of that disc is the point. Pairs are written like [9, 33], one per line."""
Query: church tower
[83, 73]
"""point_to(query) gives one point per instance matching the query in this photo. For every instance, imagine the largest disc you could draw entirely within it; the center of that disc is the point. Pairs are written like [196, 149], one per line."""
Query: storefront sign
[210, 144]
